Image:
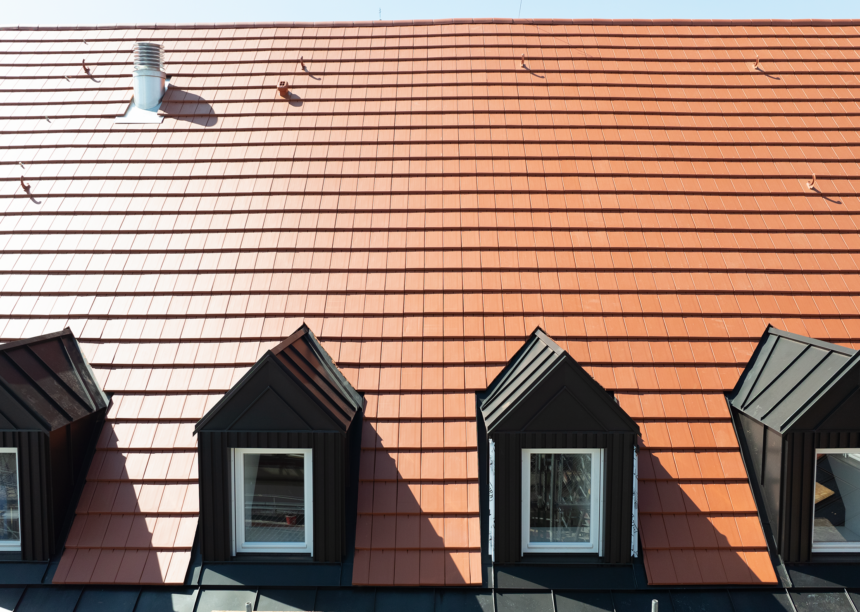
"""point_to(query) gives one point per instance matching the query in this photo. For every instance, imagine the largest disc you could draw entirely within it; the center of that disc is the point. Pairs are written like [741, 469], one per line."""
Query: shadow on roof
[183, 105]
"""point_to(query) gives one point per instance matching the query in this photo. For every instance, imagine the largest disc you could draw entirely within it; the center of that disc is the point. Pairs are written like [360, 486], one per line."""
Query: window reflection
[274, 497]
[560, 504]
[837, 499]
[10, 523]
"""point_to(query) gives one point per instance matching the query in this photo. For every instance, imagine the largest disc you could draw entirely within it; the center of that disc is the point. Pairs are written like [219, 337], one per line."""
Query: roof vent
[149, 76]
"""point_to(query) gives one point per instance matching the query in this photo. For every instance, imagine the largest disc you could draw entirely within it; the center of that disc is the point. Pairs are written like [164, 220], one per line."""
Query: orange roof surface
[423, 201]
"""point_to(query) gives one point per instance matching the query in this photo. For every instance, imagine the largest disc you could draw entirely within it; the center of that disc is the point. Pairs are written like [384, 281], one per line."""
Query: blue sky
[187, 11]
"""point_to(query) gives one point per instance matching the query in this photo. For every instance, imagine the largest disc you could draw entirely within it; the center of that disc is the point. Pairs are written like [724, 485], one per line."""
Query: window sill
[272, 558]
[833, 557]
[566, 558]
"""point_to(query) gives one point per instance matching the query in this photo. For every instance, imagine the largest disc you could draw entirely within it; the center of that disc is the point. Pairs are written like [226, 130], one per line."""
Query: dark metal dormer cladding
[797, 398]
[543, 399]
[51, 405]
[294, 398]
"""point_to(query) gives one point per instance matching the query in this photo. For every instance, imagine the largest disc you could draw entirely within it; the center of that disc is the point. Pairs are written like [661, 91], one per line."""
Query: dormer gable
[544, 389]
[294, 387]
[794, 383]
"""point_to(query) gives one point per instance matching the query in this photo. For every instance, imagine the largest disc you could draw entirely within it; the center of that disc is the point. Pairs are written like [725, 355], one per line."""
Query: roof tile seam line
[436, 292]
[400, 175]
[250, 159]
[698, 67]
[454, 71]
[577, 39]
[800, 193]
[574, 41]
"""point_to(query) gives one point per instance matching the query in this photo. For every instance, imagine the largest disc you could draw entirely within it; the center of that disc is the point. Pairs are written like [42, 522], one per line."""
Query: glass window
[10, 516]
[836, 522]
[562, 500]
[273, 500]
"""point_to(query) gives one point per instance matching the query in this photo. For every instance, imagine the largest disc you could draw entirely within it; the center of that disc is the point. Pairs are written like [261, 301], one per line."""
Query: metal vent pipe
[149, 76]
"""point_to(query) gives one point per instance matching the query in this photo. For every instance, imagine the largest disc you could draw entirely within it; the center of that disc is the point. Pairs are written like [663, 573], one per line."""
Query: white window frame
[596, 545]
[9, 545]
[830, 547]
[239, 543]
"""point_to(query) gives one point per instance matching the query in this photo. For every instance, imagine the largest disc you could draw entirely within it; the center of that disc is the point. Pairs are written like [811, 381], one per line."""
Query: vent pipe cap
[148, 56]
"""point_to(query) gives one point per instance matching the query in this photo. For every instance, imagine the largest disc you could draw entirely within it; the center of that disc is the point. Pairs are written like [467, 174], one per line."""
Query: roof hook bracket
[811, 184]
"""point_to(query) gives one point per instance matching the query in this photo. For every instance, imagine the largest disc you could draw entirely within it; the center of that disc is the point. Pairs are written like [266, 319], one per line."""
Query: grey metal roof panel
[218, 599]
[462, 600]
[637, 601]
[271, 574]
[786, 377]
[402, 600]
[767, 600]
[107, 600]
[46, 383]
[701, 601]
[152, 600]
[524, 602]
[822, 601]
[584, 601]
[345, 600]
[9, 597]
[286, 600]
[49, 599]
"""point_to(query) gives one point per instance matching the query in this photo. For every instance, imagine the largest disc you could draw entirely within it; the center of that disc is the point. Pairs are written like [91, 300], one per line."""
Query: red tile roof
[423, 202]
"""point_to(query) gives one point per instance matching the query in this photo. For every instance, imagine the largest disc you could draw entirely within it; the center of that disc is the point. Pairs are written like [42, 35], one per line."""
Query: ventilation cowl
[149, 76]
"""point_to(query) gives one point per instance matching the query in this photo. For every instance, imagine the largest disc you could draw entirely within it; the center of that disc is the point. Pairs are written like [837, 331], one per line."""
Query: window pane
[560, 504]
[274, 497]
[837, 498]
[10, 527]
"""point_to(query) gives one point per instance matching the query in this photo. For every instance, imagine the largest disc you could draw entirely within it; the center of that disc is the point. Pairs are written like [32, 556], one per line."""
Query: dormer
[274, 458]
[562, 457]
[51, 407]
[797, 405]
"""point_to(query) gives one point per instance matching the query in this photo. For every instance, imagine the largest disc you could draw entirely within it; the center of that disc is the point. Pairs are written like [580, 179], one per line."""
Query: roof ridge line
[432, 22]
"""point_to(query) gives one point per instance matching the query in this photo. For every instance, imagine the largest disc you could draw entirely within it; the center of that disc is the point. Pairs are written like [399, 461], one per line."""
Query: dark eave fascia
[35, 339]
[496, 385]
